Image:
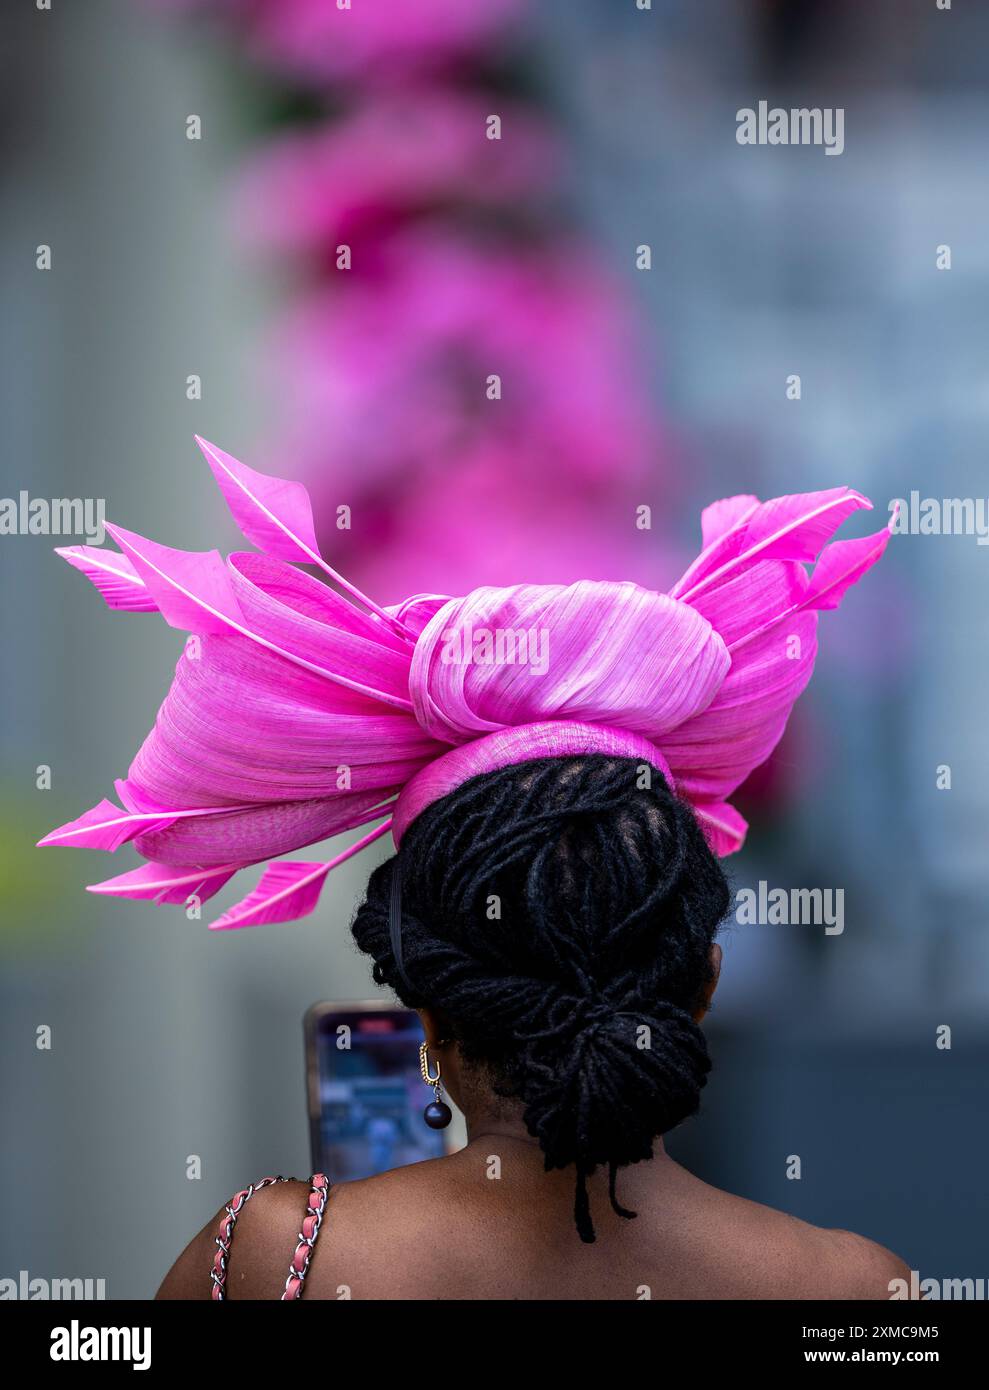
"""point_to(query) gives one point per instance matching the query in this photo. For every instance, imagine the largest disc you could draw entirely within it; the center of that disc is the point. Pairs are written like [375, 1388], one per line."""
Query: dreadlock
[560, 913]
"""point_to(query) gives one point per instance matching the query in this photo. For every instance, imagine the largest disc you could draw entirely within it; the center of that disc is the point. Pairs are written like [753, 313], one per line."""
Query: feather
[724, 828]
[841, 564]
[195, 593]
[720, 518]
[107, 827]
[290, 889]
[722, 534]
[785, 528]
[112, 574]
[193, 588]
[166, 883]
[276, 516]
[286, 891]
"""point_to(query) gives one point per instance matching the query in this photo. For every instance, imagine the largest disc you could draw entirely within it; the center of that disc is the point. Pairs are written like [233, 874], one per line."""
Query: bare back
[488, 1223]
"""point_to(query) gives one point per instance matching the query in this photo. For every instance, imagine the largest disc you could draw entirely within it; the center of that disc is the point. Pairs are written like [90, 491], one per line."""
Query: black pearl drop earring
[437, 1113]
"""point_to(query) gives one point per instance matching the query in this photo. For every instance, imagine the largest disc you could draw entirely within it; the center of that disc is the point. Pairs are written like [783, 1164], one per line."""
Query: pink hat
[296, 713]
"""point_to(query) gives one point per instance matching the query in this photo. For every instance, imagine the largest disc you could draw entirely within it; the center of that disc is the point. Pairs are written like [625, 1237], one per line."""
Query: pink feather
[107, 827]
[165, 883]
[276, 516]
[112, 574]
[290, 889]
[193, 588]
[724, 828]
[287, 891]
[841, 564]
[720, 518]
[784, 528]
[795, 527]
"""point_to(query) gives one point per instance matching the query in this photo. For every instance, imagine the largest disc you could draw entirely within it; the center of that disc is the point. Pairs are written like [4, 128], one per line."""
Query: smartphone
[366, 1092]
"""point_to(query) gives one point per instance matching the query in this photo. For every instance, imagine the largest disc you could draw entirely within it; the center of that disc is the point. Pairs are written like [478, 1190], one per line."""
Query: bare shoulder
[815, 1262]
[772, 1255]
[264, 1240]
[862, 1268]
[381, 1214]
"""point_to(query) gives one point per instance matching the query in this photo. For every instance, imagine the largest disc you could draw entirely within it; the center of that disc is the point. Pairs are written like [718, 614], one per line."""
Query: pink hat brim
[519, 743]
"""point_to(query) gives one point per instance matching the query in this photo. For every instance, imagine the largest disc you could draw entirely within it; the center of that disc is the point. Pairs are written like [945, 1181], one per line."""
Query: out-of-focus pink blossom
[382, 374]
[421, 150]
[385, 372]
[492, 525]
[372, 39]
[385, 384]
[376, 38]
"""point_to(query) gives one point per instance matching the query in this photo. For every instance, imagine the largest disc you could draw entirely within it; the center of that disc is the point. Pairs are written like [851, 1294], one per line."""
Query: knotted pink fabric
[295, 714]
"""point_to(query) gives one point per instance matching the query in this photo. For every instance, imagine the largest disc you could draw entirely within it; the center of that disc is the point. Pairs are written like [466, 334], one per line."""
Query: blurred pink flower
[384, 382]
[491, 525]
[419, 150]
[391, 371]
[383, 370]
[373, 39]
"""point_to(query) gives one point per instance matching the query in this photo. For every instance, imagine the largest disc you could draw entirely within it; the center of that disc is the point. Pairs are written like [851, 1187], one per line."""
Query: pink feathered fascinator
[297, 713]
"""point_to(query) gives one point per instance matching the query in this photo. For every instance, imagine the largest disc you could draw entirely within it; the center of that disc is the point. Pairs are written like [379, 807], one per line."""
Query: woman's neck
[499, 1125]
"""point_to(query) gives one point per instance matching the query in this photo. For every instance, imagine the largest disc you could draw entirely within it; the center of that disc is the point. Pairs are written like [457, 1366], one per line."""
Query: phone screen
[366, 1093]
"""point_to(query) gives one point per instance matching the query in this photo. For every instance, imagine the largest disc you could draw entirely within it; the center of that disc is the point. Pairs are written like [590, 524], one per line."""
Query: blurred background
[341, 260]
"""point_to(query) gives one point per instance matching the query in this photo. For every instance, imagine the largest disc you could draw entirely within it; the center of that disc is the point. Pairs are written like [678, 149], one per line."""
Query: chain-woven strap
[225, 1235]
[298, 1269]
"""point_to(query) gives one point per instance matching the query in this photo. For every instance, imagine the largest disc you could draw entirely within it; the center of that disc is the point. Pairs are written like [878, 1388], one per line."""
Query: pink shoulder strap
[299, 1267]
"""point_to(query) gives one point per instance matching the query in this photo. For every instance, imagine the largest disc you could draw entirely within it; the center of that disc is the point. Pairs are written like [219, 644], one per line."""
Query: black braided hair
[559, 915]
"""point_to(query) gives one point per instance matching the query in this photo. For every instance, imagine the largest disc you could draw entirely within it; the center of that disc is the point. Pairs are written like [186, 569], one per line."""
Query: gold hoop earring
[437, 1113]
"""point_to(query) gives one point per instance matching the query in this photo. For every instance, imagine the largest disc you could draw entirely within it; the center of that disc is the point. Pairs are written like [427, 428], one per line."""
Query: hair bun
[603, 1087]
